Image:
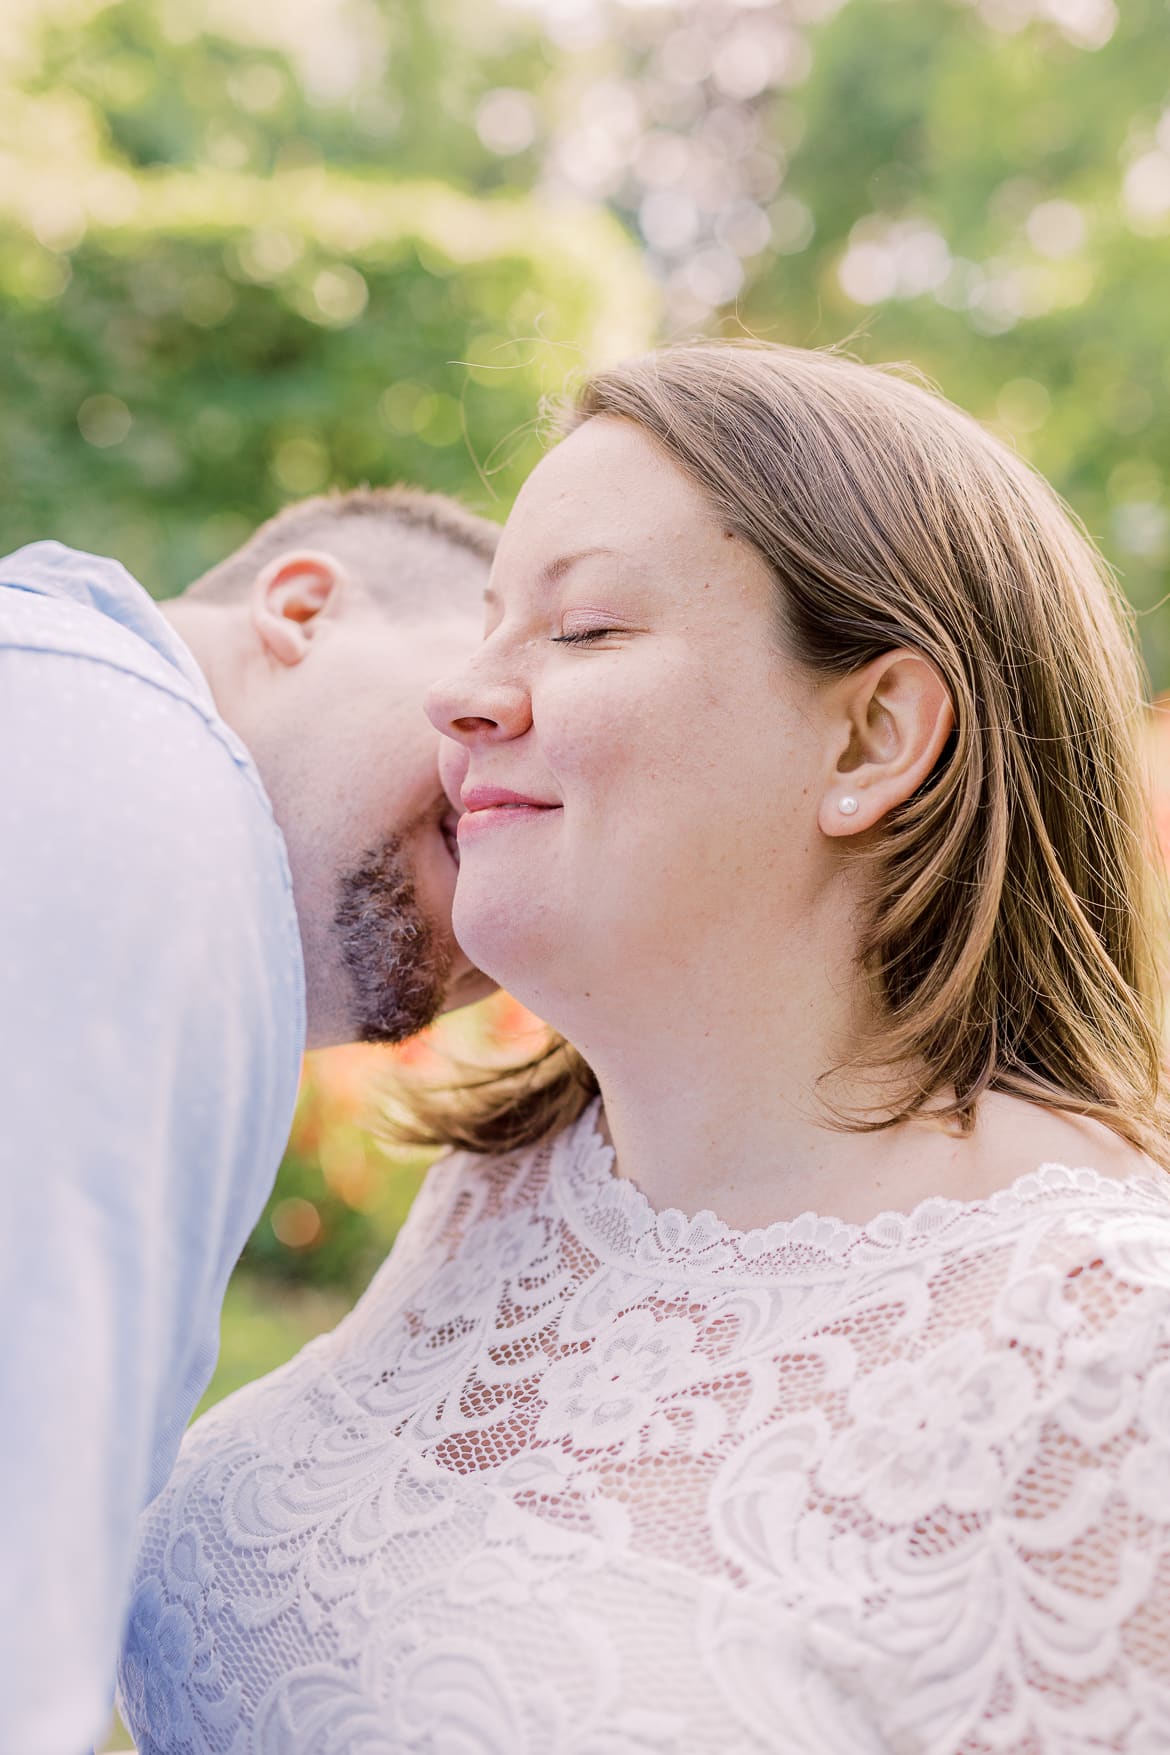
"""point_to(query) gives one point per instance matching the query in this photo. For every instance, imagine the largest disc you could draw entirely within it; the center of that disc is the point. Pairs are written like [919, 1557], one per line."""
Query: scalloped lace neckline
[623, 1227]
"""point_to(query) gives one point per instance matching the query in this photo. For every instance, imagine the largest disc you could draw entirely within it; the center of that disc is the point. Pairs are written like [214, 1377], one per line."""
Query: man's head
[319, 638]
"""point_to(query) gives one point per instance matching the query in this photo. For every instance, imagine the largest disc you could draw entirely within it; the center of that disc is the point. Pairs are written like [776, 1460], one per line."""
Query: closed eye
[583, 636]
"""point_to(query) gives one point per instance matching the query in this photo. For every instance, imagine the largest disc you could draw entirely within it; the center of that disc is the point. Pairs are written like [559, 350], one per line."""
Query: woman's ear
[291, 596]
[894, 717]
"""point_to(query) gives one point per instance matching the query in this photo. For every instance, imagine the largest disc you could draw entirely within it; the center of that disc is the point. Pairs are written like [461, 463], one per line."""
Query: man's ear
[291, 596]
[893, 717]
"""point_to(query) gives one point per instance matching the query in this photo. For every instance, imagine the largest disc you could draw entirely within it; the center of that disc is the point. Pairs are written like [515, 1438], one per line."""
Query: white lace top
[577, 1478]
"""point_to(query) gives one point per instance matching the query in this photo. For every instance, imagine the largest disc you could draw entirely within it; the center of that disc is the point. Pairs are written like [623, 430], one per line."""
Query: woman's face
[631, 687]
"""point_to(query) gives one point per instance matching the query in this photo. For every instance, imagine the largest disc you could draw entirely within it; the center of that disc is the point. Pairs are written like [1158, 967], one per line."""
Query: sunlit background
[253, 248]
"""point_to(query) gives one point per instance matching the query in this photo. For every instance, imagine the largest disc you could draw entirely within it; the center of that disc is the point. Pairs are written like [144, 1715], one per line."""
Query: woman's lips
[490, 806]
[476, 798]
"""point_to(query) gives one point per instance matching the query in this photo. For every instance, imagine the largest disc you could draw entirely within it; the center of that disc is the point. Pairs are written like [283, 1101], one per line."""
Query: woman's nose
[473, 709]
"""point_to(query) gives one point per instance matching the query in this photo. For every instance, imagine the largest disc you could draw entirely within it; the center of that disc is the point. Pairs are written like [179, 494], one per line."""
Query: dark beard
[397, 962]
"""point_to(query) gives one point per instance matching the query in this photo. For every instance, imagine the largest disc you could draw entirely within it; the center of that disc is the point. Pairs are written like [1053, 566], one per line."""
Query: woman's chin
[508, 949]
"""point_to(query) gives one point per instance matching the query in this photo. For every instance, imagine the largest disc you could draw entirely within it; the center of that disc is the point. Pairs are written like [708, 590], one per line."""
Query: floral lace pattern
[580, 1478]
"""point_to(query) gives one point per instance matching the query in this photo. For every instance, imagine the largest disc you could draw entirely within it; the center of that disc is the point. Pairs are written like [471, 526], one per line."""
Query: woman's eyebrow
[553, 571]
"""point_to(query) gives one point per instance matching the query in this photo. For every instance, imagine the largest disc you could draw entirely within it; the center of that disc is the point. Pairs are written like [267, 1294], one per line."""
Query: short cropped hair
[343, 523]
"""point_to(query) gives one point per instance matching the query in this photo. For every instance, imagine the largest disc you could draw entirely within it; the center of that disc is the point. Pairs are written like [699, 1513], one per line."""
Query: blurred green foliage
[236, 344]
[214, 299]
[246, 252]
[998, 202]
[182, 84]
[263, 1326]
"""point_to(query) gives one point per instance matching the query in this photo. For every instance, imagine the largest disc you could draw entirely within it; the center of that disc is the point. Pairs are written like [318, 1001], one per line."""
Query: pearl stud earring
[847, 806]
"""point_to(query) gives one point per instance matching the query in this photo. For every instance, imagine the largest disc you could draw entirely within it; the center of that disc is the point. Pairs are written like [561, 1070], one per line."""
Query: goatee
[397, 962]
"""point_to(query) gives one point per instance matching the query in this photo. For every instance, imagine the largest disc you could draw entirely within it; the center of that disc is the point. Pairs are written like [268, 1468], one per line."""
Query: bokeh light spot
[296, 1223]
[104, 421]
[505, 121]
[300, 464]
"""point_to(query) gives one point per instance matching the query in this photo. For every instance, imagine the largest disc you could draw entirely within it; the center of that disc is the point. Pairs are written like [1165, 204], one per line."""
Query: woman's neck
[720, 1095]
[754, 1152]
[752, 1155]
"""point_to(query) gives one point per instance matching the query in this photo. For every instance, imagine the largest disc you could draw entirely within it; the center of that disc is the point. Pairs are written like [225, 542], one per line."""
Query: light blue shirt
[151, 1029]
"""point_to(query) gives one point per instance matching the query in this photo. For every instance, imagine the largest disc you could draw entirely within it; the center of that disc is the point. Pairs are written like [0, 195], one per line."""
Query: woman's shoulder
[1078, 1222]
[1053, 1137]
[1076, 1187]
[1014, 1138]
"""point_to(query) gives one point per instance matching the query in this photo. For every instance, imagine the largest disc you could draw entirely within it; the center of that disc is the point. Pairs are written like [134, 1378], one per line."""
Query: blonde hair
[1011, 933]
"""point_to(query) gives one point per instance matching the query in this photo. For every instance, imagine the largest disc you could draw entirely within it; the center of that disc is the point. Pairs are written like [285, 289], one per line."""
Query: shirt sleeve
[151, 1019]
